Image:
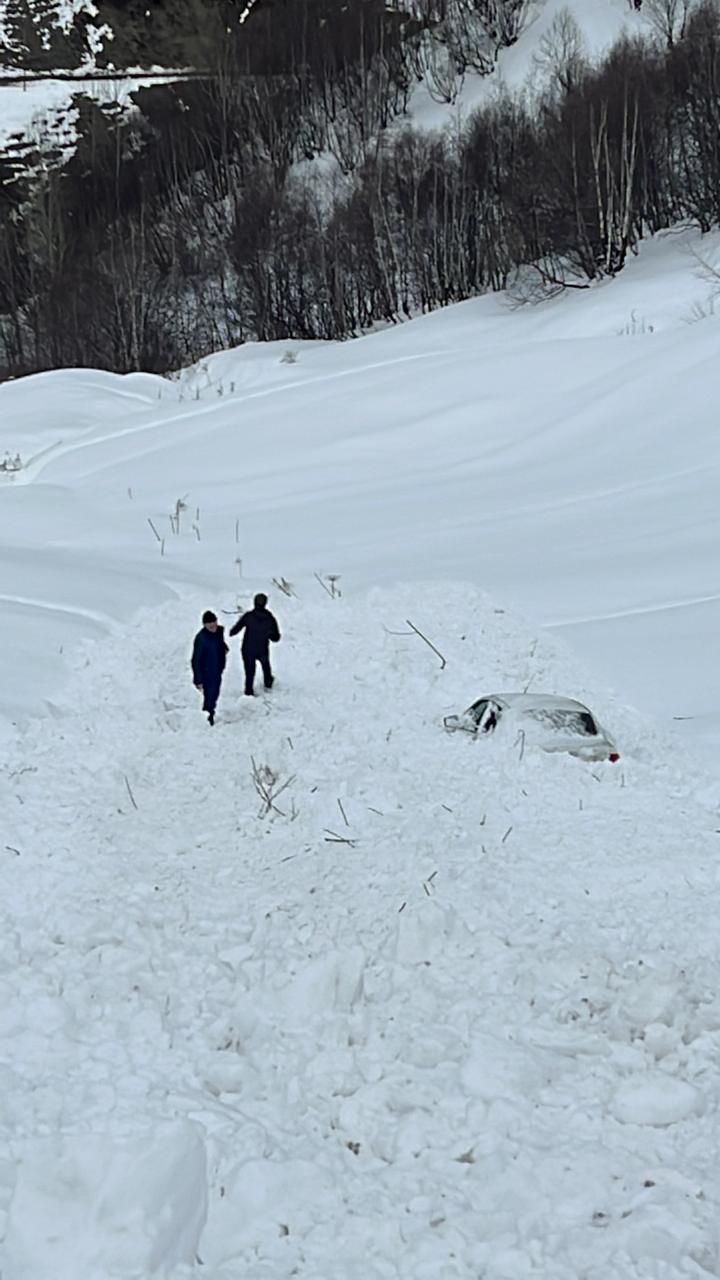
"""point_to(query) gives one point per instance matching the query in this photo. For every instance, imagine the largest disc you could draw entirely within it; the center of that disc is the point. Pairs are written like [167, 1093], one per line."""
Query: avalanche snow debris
[477, 1083]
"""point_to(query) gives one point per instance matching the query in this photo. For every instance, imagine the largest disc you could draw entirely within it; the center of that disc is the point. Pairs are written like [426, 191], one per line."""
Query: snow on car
[538, 719]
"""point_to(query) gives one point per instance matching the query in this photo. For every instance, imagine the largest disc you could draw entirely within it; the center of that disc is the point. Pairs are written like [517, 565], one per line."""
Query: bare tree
[561, 54]
[669, 18]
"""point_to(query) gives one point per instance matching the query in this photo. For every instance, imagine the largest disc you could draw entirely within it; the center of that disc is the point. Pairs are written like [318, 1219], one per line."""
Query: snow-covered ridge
[453, 1006]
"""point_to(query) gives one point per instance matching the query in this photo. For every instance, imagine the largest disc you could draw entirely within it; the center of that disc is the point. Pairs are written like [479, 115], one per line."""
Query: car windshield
[578, 723]
[485, 715]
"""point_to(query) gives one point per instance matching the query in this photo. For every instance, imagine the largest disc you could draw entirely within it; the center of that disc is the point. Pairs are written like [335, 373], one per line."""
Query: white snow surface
[449, 1010]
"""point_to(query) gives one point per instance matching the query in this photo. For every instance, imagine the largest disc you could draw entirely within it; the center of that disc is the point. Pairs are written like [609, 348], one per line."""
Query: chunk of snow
[656, 1100]
[95, 1205]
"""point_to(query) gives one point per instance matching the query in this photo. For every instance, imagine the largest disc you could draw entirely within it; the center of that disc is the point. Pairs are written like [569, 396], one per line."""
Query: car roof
[533, 701]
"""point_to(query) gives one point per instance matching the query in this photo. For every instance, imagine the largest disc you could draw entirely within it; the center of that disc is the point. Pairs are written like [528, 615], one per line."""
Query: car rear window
[579, 723]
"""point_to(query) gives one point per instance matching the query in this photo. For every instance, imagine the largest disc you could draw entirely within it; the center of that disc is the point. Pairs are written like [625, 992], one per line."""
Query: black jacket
[260, 628]
[208, 656]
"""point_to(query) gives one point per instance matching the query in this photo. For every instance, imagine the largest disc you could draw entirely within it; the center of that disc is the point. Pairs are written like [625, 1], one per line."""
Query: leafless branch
[332, 837]
[324, 585]
[266, 783]
[129, 791]
[418, 632]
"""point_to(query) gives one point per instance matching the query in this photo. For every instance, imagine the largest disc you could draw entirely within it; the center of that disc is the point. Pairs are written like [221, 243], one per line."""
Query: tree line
[285, 195]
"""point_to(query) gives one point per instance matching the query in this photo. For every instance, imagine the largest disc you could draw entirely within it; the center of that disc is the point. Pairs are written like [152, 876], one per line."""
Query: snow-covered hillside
[563, 457]
[42, 109]
[528, 63]
[447, 1010]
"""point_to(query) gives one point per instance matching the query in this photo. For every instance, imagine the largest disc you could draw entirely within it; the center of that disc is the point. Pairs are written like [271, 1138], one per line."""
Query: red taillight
[614, 757]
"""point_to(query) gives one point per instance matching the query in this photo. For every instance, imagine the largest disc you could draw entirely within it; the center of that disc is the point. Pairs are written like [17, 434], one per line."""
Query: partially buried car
[538, 719]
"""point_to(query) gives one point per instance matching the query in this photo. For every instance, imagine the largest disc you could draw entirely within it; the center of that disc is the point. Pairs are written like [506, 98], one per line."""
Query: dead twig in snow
[340, 807]
[129, 791]
[324, 585]
[332, 837]
[152, 526]
[507, 833]
[266, 781]
[416, 631]
[283, 585]
[180, 506]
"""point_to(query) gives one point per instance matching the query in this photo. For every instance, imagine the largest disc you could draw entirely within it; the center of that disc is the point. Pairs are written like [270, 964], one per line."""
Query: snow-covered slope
[563, 457]
[447, 1011]
[525, 64]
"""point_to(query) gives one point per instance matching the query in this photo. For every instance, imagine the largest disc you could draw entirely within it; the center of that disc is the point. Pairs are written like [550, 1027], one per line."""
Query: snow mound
[656, 1100]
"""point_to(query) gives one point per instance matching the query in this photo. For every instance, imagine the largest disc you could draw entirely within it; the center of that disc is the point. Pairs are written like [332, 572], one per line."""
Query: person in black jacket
[260, 629]
[208, 662]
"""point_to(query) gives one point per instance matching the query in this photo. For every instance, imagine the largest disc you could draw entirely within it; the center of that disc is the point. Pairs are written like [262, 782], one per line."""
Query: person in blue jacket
[261, 629]
[208, 662]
